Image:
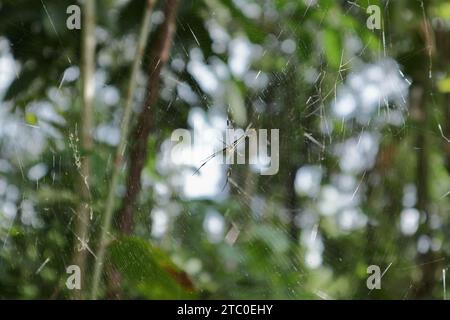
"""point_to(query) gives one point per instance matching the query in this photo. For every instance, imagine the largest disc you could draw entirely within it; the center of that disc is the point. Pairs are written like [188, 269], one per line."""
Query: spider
[228, 151]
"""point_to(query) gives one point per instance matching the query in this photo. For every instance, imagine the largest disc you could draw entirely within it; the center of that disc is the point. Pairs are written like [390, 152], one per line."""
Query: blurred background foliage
[364, 119]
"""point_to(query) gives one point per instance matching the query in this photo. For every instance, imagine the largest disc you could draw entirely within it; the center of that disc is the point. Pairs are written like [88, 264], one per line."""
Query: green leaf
[20, 84]
[442, 10]
[30, 118]
[148, 269]
[333, 47]
[444, 85]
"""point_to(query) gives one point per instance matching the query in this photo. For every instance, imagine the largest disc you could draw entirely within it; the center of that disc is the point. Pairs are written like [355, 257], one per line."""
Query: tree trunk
[425, 287]
[139, 138]
[426, 261]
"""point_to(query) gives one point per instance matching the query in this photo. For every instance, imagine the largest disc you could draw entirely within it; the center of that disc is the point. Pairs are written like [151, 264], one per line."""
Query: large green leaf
[149, 270]
[333, 47]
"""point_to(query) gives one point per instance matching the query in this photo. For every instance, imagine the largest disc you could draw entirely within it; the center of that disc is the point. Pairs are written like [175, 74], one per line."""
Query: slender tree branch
[138, 152]
[107, 217]
[82, 221]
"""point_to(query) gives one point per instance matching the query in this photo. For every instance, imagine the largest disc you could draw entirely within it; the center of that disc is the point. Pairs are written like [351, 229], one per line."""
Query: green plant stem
[82, 221]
